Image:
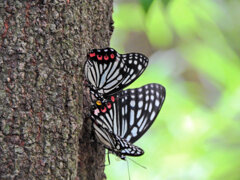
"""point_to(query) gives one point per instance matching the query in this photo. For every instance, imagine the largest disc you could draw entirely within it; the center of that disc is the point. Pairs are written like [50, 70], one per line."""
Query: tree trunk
[43, 46]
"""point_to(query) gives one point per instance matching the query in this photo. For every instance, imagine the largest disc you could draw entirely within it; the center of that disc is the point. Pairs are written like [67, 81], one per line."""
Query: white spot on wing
[112, 84]
[152, 116]
[126, 109]
[140, 121]
[132, 103]
[139, 113]
[131, 72]
[134, 132]
[152, 97]
[150, 108]
[128, 138]
[119, 77]
[132, 117]
[147, 98]
[139, 67]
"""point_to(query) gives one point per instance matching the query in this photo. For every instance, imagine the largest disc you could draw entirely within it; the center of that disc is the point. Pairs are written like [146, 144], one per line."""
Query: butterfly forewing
[103, 75]
[108, 72]
[136, 64]
[132, 112]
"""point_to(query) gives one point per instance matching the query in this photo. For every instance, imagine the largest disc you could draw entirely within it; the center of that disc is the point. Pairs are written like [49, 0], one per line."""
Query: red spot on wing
[109, 105]
[112, 98]
[99, 57]
[112, 56]
[104, 109]
[92, 54]
[106, 57]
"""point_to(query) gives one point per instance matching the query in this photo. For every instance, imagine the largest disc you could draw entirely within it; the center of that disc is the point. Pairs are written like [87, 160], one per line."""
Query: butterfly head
[99, 107]
[98, 103]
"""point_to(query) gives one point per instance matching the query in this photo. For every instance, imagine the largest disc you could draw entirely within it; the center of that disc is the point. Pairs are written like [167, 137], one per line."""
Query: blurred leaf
[165, 2]
[129, 16]
[146, 4]
[158, 32]
[183, 19]
[215, 64]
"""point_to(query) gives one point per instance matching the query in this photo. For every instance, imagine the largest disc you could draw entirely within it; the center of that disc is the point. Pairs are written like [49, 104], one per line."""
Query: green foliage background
[194, 51]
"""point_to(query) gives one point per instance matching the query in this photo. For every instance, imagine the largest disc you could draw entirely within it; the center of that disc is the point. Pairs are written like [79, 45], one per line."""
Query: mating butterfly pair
[121, 117]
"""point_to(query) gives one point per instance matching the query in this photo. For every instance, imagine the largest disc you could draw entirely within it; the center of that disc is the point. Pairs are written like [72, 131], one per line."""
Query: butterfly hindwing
[130, 113]
[116, 144]
[141, 107]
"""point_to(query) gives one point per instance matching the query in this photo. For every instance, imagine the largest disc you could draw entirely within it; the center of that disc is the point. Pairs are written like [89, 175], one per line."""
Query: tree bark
[43, 46]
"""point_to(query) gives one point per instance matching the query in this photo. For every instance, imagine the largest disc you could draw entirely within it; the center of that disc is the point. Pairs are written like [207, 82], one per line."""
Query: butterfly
[108, 72]
[127, 115]
[115, 144]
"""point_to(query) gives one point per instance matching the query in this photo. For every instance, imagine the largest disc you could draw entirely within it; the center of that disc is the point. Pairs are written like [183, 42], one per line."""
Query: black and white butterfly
[128, 114]
[115, 144]
[108, 72]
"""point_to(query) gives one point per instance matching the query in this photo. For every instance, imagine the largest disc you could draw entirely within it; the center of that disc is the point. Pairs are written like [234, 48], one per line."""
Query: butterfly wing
[141, 107]
[132, 112]
[116, 144]
[108, 72]
[103, 75]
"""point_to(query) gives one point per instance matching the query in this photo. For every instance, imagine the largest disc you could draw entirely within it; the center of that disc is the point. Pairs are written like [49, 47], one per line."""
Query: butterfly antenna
[137, 163]
[128, 170]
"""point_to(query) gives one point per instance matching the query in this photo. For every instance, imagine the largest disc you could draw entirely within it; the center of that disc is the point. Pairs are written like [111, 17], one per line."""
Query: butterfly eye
[109, 105]
[99, 57]
[106, 57]
[92, 54]
[112, 56]
[104, 109]
[99, 103]
[112, 98]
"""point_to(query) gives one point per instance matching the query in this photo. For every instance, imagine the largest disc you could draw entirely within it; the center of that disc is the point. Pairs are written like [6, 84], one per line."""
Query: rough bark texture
[43, 45]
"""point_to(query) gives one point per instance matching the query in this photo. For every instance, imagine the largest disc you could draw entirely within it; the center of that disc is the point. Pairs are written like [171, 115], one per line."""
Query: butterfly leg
[108, 157]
